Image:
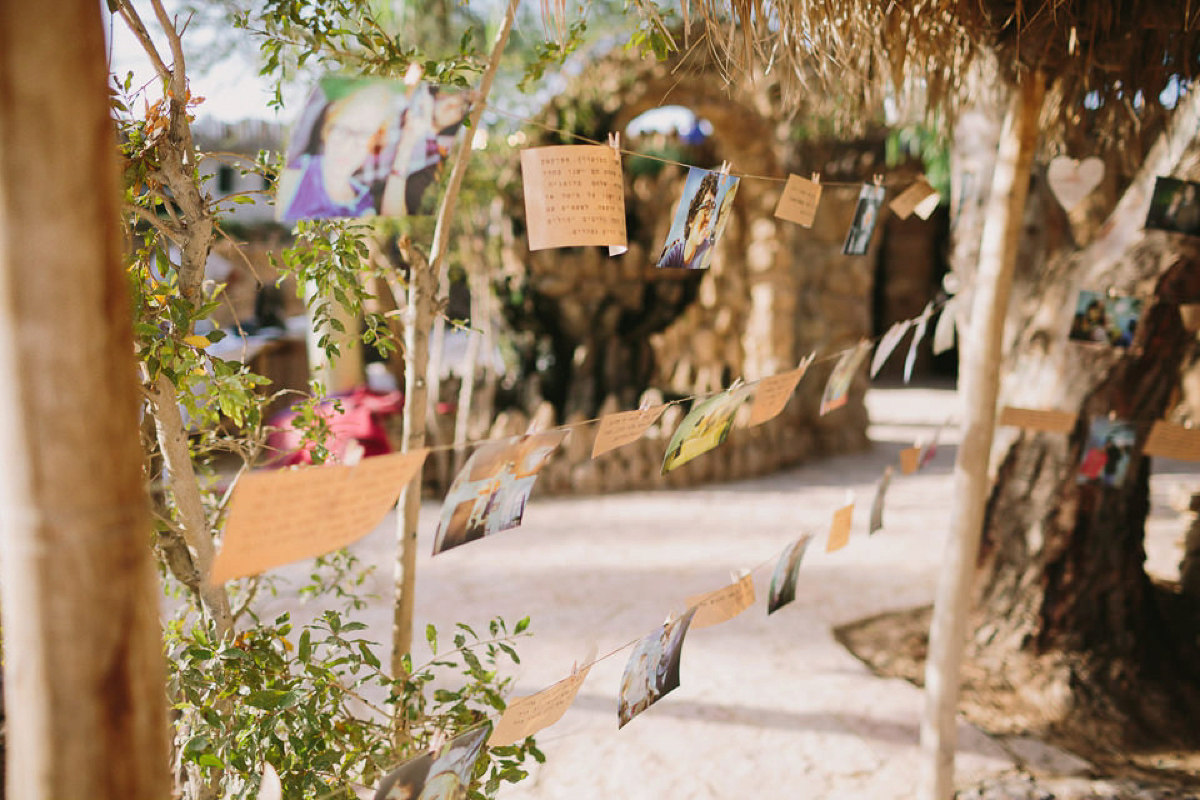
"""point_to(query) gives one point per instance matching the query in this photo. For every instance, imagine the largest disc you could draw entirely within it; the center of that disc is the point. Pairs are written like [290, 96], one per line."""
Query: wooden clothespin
[614, 141]
[414, 74]
[671, 617]
[816, 178]
[807, 360]
[878, 180]
[724, 168]
[736, 384]
[437, 741]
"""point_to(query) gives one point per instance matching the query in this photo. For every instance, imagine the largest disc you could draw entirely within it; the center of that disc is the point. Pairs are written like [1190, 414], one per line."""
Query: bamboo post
[980, 371]
[84, 677]
[418, 317]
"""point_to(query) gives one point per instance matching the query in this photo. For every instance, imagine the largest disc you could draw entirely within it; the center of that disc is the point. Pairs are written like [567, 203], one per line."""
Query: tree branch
[162, 226]
[138, 28]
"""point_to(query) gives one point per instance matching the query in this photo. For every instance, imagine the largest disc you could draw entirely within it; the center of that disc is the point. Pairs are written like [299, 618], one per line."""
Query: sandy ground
[767, 707]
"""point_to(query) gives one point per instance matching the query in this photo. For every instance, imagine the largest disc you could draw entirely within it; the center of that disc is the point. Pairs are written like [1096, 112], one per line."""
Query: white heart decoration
[1072, 180]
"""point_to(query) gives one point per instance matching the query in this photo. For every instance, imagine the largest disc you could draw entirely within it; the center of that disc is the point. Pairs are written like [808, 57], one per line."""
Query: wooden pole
[418, 319]
[980, 381]
[84, 672]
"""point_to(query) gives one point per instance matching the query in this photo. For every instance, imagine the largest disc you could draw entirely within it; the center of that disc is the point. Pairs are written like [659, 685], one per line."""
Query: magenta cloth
[360, 420]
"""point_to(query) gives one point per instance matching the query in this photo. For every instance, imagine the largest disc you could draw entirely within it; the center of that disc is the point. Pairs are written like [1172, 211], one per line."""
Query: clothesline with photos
[373, 146]
[652, 670]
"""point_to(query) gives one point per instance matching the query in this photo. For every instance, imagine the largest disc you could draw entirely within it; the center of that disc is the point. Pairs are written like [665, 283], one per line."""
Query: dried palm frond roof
[1107, 60]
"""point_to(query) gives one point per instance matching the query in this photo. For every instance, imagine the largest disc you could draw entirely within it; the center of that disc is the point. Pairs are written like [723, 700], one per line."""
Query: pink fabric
[360, 420]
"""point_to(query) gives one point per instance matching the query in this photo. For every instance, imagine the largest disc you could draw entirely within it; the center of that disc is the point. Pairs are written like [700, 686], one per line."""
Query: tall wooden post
[979, 383]
[84, 672]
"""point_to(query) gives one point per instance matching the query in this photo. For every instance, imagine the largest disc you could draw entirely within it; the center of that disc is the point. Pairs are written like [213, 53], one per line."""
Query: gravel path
[767, 707]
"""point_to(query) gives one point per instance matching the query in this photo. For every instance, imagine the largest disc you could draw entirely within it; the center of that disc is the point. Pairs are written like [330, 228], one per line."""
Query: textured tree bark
[980, 381]
[84, 677]
[1066, 611]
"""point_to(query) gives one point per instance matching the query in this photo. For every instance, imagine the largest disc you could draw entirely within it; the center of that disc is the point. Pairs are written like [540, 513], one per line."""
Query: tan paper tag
[839, 530]
[919, 197]
[280, 516]
[1046, 420]
[1173, 441]
[721, 605]
[771, 394]
[526, 716]
[799, 200]
[574, 196]
[618, 430]
[910, 460]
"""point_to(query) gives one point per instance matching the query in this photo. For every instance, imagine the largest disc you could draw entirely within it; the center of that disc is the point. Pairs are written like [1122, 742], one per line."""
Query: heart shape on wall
[1072, 180]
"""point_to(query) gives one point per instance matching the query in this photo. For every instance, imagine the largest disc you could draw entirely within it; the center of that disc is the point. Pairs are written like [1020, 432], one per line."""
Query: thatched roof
[1107, 60]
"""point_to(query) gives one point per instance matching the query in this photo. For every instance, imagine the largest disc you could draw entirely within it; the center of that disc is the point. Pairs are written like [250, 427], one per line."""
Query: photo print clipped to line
[574, 196]
[1105, 318]
[442, 775]
[367, 146]
[1107, 452]
[652, 671]
[837, 389]
[700, 219]
[1175, 206]
[705, 427]
[785, 575]
[490, 492]
[866, 215]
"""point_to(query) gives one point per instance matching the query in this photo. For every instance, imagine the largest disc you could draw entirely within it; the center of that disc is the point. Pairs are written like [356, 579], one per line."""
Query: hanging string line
[636, 154]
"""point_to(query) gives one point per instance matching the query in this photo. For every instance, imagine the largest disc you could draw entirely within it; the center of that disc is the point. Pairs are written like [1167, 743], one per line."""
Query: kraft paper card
[705, 427]
[366, 146]
[910, 460]
[839, 530]
[436, 776]
[887, 344]
[799, 201]
[722, 605]
[280, 516]
[574, 196]
[490, 492]
[618, 430]
[838, 387]
[1038, 419]
[922, 325]
[1173, 441]
[920, 198]
[877, 504]
[653, 669]
[771, 394]
[526, 716]
[783, 578]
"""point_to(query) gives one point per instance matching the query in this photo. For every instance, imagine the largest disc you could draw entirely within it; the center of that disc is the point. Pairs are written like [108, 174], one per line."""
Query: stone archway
[604, 331]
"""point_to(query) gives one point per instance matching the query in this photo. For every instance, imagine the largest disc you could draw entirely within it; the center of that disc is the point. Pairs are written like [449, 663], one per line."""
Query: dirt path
[767, 707]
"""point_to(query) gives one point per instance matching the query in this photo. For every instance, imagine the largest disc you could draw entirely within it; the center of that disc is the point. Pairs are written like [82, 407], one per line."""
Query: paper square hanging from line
[574, 196]
[280, 516]
[799, 201]
[705, 427]
[366, 146]
[653, 669]
[866, 214]
[700, 219]
[920, 198]
[525, 716]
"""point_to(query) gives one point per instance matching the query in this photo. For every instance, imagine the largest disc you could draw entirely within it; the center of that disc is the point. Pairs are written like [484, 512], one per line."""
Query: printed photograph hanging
[866, 214]
[652, 670]
[1107, 452]
[787, 571]
[1104, 319]
[1175, 206]
[705, 427]
[838, 387]
[367, 146]
[441, 777]
[490, 492]
[700, 219]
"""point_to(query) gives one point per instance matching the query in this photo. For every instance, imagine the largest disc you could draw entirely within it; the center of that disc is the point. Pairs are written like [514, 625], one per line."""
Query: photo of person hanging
[700, 219]
[1175, 206]
[367, 146]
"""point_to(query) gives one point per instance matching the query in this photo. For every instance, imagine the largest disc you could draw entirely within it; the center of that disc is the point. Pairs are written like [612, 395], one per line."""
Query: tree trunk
[83, 664]
[1066, 611]
[980, 372]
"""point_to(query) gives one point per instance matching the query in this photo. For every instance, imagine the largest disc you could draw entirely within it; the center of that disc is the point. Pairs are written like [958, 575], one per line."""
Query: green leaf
[210, 760]
[272, 699]
[431, 637]
[522, 625]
